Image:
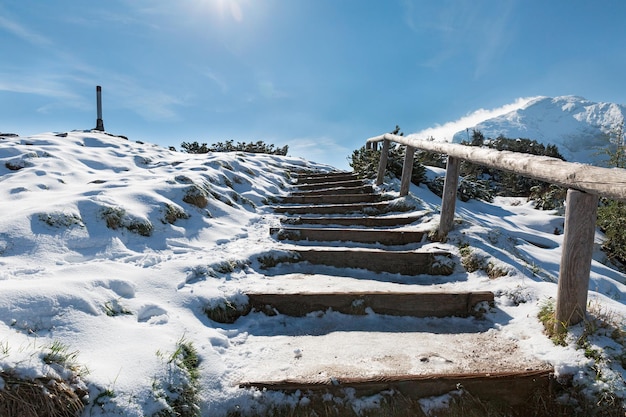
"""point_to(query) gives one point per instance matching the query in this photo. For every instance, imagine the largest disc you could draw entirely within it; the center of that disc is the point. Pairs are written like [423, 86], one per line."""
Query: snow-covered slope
[113, 249]
[100, 238]
[579, 127]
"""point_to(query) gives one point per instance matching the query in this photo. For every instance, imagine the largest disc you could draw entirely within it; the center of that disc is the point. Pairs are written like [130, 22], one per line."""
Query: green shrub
[548, 196]
[507, 183]
[612, 221]
[61, 219]
[612, 213]
[469, 188]
[364, 163]
[230, 146]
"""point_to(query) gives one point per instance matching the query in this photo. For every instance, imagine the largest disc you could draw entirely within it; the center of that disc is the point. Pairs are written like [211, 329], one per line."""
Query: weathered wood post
[99, 122]
[580, 227]
[382, 165]
[407, 171]
[448, 198]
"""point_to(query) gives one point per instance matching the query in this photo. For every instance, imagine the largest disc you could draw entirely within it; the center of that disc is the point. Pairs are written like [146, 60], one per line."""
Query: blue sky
[318, 75]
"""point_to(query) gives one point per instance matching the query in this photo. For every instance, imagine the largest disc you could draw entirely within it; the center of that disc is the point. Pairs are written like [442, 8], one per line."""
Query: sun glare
[230, 9]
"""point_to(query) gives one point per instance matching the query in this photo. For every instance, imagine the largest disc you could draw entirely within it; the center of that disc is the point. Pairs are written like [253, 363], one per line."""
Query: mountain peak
[577, 126]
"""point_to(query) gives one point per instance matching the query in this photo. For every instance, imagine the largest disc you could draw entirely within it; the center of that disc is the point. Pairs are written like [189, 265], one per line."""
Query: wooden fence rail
[585, 183]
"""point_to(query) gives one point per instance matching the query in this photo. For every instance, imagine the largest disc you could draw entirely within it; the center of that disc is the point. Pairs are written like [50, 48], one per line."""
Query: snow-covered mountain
[579, 127]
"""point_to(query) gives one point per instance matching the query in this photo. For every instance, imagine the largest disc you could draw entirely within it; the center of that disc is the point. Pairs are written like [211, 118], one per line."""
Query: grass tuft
[47, 396]
[181, 387]
[40, 397]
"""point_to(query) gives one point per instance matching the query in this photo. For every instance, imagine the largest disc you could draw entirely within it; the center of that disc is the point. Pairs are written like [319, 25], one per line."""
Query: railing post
[382, 165]
[407, 171]
[448, 198]
[580, 227]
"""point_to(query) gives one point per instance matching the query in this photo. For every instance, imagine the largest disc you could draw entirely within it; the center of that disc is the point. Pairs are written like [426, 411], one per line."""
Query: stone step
[363, 189]
[384, 237]
[327, 185]
[376, 260]
[331, 199]
[414, 304]
[369, 221]
[369, 208]
[326, 178]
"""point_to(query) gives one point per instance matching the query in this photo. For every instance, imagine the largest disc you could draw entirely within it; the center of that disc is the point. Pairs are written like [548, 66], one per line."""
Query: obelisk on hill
[99, 122]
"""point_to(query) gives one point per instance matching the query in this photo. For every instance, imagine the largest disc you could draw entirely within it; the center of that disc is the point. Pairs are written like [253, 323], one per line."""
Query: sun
[230, 9]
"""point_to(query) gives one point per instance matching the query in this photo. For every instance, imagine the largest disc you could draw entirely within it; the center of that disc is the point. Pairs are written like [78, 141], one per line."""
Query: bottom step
[513, 388]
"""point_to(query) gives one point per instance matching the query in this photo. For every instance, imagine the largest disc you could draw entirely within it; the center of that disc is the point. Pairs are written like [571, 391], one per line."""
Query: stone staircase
[361, 258]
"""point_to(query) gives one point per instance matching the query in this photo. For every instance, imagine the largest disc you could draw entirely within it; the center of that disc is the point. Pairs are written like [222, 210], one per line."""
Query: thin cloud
[461, 29]
[42, 84]
[446, 131]
[216, 79]
[494, 40]
[23, 33]
[151, 104]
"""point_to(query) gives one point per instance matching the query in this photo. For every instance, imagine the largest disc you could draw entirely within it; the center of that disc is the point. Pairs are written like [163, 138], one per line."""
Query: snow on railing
[585, 183]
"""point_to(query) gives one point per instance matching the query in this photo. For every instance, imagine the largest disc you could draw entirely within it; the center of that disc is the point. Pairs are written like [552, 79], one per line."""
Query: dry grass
[42, 397]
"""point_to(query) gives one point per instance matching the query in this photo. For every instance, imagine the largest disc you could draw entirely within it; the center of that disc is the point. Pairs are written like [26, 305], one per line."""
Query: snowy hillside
[113, 250]
[579, 127]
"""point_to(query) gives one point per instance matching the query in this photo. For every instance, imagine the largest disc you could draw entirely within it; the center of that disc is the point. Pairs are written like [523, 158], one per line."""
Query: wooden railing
[585, 184]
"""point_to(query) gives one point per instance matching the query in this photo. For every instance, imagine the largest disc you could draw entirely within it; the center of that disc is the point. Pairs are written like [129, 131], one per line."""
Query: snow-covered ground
[113, 249]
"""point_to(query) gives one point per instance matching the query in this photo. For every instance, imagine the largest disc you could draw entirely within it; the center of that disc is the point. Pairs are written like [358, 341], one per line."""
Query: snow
[62, 269]
[580, 128]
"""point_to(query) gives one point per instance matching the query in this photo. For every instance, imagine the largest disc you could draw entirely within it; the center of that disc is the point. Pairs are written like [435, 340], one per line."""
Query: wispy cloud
[494, 39]
[468, 29]
[23, 33]
[218, 80]
[150, 103]
[446, 131]
[43, 84]
[69, 90]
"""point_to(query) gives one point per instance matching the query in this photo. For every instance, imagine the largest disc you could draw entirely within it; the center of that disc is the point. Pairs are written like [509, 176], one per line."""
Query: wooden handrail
[607, 182]
[585, 183]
